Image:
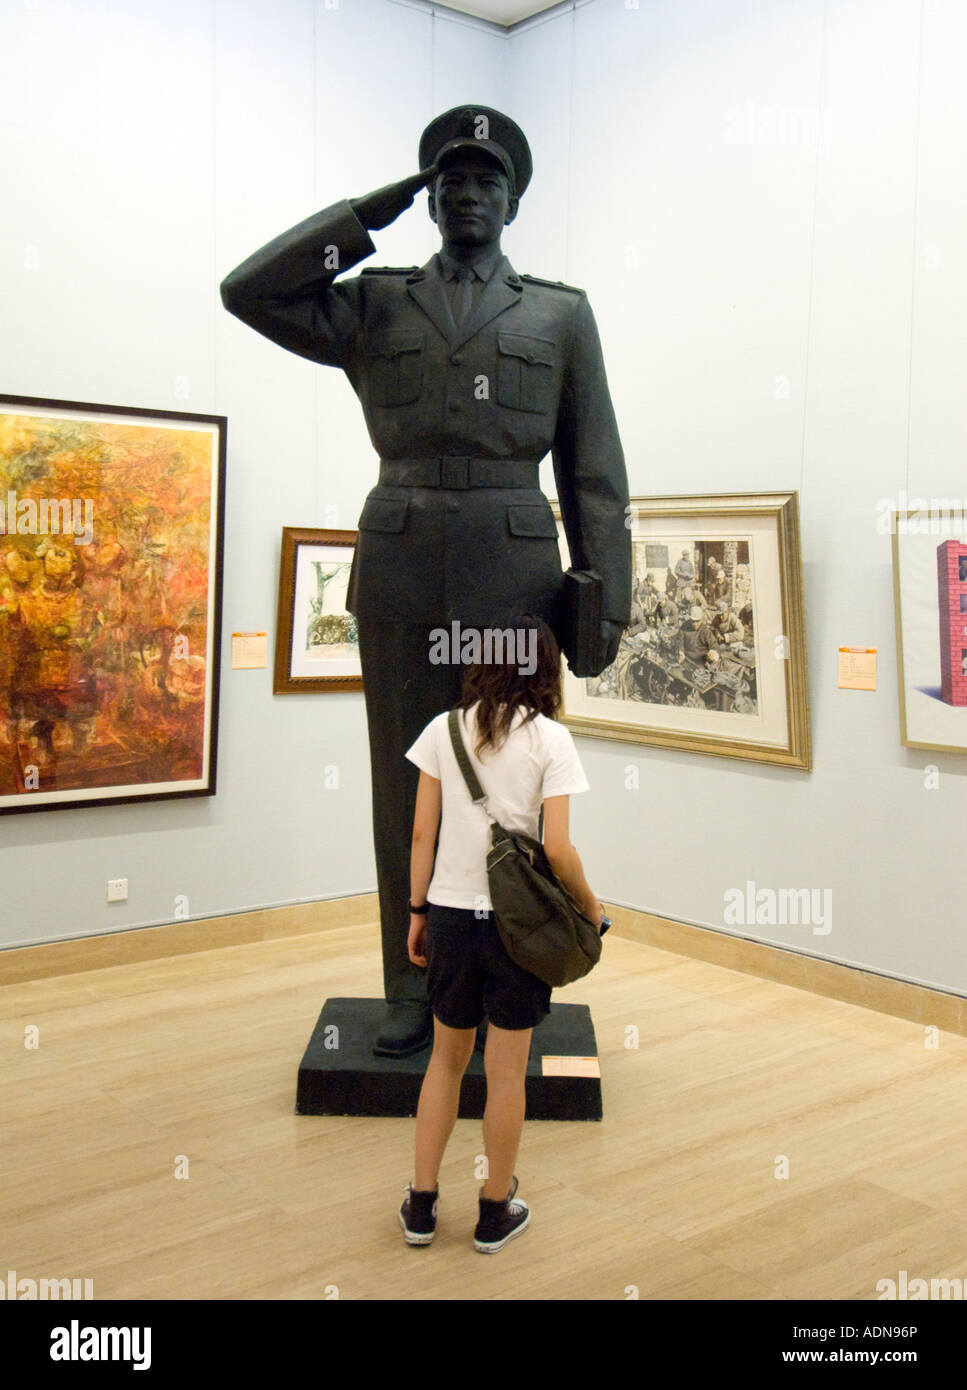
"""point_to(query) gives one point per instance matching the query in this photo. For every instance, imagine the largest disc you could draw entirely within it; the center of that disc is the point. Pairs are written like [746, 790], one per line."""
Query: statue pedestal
[340, 1076]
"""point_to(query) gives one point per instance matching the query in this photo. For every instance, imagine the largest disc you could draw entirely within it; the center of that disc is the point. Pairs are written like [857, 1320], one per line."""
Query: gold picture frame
[738, 690]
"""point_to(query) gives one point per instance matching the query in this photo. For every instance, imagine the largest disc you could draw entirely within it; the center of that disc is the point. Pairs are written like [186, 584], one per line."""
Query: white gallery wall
[765, 202]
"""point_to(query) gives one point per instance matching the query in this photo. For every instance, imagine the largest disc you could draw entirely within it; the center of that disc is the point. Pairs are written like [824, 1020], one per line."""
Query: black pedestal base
[340, 1076]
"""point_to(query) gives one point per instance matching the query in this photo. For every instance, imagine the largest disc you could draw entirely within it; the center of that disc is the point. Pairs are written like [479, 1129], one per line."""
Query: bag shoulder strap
[477, 793]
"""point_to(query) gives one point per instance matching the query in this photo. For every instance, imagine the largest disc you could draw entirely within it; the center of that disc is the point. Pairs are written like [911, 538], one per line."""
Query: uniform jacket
[522, 376]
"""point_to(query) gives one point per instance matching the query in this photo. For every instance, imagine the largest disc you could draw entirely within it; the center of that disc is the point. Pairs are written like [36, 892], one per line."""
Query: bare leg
[440, 1100]
[505, 1062]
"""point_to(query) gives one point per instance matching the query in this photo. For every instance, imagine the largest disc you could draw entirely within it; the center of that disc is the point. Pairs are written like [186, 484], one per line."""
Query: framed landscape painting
[316, 643]
[110, 603]
[714, 658]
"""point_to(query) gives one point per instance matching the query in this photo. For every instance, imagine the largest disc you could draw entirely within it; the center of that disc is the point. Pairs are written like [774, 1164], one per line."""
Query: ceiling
[504, 12]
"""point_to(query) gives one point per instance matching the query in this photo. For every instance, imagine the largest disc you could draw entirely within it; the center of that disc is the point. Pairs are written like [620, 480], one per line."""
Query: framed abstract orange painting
[111, 539]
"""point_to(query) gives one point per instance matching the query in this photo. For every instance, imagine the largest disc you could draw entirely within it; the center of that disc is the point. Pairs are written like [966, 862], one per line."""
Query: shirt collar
[484, 268]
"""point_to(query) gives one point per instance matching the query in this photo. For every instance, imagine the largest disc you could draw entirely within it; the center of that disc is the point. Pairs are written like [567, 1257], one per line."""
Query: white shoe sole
[415, 1237]
[491, 1247]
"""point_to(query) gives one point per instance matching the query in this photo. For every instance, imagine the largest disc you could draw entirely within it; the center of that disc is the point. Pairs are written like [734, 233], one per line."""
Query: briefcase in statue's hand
[581, 637]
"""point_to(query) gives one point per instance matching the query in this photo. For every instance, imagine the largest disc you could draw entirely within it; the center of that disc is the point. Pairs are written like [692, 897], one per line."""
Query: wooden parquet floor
[758, 1142]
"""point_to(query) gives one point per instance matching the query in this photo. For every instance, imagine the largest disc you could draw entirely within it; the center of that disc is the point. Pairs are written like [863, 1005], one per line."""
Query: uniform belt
[459, 472]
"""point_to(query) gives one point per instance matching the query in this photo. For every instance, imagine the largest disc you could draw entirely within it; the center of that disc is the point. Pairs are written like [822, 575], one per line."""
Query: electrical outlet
[117, 890]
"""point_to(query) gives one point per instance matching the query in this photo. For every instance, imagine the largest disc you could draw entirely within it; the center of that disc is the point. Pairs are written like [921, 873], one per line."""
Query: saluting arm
[285, 290]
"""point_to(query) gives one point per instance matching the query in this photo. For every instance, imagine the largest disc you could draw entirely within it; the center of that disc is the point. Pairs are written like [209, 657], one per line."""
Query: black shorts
[470, 976]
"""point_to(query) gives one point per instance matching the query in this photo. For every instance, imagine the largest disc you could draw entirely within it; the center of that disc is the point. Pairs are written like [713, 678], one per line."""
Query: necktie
[463, 298]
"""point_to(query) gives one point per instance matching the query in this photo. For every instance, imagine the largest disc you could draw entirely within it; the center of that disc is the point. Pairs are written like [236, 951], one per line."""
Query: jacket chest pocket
[525, 372]
[396, 368]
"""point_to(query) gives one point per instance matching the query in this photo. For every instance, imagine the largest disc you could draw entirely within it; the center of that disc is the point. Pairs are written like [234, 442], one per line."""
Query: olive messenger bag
[541, 926]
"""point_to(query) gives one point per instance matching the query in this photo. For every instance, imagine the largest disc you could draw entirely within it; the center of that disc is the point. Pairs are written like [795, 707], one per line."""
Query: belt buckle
[455, 472]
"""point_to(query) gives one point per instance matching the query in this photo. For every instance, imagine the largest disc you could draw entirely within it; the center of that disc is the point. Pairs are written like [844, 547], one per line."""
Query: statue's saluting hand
[379, 209]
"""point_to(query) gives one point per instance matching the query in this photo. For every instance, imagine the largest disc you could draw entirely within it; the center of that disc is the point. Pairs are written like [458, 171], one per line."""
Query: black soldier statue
[468, 374]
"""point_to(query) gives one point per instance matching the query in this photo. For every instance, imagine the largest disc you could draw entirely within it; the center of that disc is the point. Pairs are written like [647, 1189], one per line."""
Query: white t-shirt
[537, 760]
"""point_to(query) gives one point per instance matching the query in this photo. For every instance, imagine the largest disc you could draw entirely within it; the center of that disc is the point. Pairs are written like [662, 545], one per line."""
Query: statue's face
[470, 202]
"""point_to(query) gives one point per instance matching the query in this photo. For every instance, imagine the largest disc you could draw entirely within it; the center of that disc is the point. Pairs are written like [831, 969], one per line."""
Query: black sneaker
[418, 1216]
[500, 1221]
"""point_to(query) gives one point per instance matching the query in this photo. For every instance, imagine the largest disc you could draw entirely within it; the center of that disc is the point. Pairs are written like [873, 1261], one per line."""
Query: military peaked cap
[479, 127]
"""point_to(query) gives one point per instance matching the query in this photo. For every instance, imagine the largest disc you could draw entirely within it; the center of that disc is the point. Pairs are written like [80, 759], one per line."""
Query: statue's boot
[407, 1028]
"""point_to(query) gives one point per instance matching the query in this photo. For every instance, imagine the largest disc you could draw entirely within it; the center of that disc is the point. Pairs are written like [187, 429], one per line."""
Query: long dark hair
[500, 686]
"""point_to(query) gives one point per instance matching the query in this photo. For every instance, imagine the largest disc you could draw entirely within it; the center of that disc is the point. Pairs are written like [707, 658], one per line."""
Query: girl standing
[524, 759]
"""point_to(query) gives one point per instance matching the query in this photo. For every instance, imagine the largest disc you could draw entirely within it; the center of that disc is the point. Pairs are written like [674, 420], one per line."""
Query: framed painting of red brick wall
[930, 594]
[111, 522]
